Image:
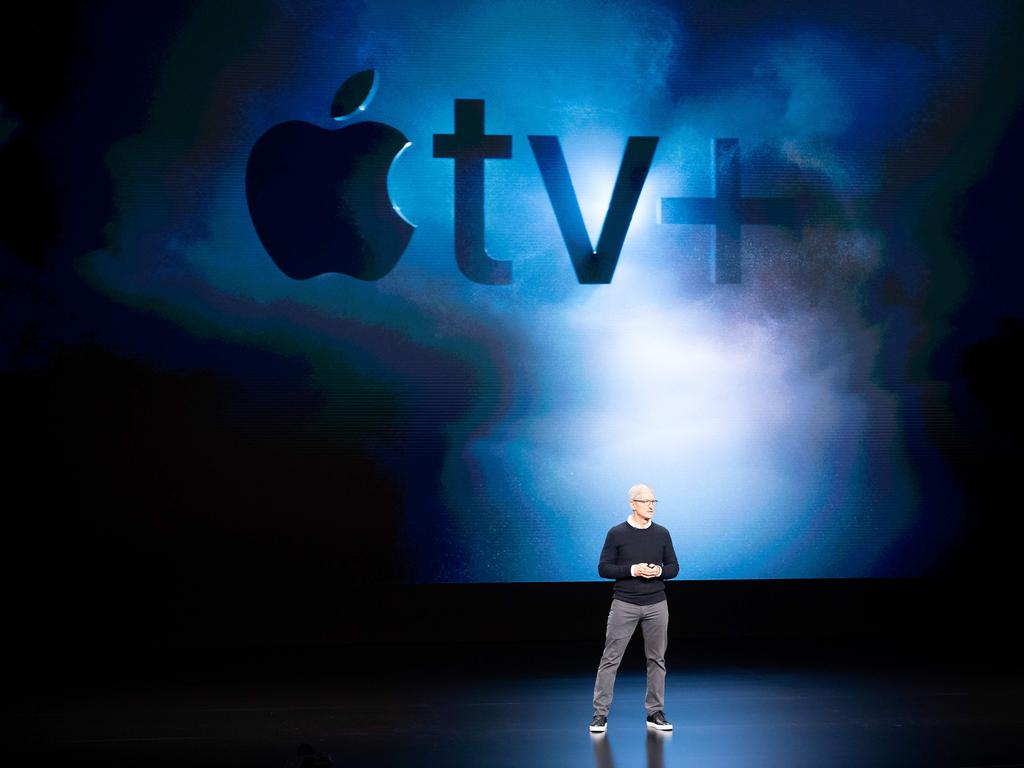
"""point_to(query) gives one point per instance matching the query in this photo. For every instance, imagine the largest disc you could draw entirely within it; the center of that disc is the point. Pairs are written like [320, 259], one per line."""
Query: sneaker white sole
[657, 727]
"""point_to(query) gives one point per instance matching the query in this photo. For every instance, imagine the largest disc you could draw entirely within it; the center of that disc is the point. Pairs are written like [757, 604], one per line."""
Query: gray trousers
[622, 621]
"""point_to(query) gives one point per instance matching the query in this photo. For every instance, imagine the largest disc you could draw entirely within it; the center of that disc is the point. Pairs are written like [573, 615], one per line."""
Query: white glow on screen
[594, 163]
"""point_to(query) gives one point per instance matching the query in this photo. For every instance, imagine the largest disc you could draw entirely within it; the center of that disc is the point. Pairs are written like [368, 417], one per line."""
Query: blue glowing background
[792, 425]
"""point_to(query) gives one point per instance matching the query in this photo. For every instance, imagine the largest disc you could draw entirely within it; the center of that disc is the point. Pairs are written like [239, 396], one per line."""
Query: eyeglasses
[646, 501]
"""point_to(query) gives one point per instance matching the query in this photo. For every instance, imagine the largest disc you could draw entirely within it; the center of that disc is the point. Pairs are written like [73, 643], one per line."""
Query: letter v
[594, 266]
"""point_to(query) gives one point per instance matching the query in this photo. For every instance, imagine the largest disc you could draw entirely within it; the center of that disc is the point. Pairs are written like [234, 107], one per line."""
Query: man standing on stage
[638, 554]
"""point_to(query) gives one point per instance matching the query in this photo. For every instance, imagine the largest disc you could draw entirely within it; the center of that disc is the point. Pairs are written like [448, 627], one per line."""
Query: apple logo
[319, 198]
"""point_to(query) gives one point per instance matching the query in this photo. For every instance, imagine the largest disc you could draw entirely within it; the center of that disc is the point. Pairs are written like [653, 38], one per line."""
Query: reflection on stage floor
[729, 716]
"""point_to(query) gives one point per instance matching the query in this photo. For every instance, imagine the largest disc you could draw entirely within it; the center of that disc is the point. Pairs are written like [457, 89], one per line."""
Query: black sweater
[625, 546]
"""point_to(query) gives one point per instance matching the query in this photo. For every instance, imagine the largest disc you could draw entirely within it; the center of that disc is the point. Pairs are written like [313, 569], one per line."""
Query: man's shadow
[655, 749]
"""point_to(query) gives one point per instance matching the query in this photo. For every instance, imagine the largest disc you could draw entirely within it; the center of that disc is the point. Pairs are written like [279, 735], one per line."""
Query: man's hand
[646, 570]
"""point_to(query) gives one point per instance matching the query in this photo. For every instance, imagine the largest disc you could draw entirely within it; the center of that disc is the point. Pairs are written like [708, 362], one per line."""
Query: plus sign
[469, 147]
[728, 212]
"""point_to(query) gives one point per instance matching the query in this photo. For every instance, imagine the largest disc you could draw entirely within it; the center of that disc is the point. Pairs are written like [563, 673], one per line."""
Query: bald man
[638, 554]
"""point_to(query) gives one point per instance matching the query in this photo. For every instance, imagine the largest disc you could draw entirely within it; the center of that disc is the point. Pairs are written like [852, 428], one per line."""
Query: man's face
[643, 502]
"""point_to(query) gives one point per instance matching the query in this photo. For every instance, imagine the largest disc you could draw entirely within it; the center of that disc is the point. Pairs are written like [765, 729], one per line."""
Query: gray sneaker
[658, 721]
[599, 724]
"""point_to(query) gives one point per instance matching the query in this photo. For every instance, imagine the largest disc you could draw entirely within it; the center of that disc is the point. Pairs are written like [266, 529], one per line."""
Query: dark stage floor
[490, 709]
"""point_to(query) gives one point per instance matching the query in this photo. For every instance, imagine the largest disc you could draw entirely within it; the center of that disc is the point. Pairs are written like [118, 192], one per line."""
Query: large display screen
[492, 263]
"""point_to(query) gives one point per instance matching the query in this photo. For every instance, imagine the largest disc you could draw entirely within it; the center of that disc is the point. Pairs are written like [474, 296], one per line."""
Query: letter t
[469, 147]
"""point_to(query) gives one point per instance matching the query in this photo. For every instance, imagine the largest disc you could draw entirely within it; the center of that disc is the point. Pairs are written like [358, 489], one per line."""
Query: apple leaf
[354, 94]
